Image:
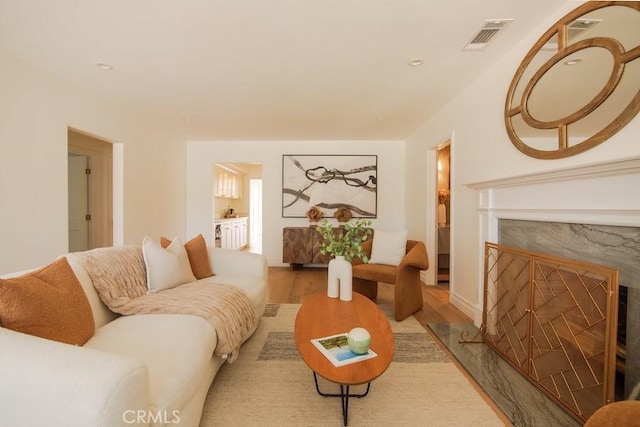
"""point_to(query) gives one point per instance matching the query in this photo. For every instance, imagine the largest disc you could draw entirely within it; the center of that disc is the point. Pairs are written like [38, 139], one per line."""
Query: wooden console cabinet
[301, 245]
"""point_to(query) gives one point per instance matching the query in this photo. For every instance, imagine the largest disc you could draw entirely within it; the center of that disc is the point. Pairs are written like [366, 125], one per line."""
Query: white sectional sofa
[140, 369]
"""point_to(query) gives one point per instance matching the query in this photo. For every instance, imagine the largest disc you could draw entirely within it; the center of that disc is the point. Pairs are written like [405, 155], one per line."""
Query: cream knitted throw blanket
[118, 274]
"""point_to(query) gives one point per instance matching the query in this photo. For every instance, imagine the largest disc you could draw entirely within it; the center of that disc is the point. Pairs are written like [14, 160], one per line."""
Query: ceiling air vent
[488, 31]
[574, 29]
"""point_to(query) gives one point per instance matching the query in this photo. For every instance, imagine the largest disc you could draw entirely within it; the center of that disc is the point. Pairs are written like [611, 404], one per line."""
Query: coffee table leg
[345, 402]
[344, 396]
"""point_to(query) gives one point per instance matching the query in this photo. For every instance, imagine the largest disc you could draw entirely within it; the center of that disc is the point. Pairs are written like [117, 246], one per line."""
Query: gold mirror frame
[518, 108]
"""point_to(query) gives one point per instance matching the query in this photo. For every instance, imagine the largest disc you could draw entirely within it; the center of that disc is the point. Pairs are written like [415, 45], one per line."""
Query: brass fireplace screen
[555, 321]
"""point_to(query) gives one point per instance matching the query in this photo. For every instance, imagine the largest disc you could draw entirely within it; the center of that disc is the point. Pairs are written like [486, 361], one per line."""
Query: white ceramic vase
[339, 279]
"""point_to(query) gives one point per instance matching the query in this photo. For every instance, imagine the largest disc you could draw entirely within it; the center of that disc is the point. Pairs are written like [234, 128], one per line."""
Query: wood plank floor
[292, 286]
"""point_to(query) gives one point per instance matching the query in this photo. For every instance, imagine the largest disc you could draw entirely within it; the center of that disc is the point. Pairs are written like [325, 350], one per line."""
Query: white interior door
[78, 202]
[91, 194]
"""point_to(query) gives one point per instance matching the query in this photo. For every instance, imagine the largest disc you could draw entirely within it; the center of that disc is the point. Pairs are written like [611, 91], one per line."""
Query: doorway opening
[443, 203]
[90, 191]
[237, 191]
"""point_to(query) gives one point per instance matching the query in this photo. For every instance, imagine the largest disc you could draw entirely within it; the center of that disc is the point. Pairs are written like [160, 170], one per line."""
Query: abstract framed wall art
[329, 182]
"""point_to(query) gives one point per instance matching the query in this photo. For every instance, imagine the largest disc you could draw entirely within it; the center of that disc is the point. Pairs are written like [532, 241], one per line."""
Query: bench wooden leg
[407, 295]
[368, 288]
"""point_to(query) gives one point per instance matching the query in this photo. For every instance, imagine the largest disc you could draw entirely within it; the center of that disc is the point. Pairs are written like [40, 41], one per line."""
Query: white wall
[154, 184]
[35, 112]
[202, 154]
[481, 150]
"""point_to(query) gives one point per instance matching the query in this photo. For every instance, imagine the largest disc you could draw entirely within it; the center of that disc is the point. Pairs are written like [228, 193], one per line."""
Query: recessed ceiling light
[416, 62]
[380, 118]
[573, 61]
[104, 66]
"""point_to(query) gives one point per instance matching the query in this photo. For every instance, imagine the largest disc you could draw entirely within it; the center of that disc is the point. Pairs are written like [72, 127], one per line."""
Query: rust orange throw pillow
[198, 255]
[48, 303]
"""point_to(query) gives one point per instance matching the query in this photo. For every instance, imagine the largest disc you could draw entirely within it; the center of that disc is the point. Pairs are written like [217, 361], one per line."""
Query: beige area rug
[270, 385]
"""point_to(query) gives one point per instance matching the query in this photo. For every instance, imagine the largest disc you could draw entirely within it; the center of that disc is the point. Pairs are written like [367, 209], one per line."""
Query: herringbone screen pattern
[554, 319]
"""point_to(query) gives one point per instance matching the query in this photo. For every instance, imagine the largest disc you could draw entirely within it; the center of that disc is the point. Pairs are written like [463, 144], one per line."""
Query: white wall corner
[467, 307]
[117, 182]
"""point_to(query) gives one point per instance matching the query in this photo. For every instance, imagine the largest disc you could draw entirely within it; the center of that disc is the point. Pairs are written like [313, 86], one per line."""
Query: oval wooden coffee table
[321, 316]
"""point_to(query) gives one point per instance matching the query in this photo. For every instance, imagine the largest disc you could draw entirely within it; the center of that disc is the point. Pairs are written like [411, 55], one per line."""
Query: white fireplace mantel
[606, 193]
[611, 168]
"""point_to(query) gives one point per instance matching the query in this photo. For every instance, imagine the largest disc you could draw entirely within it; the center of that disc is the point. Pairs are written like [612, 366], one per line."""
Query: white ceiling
[268, 69]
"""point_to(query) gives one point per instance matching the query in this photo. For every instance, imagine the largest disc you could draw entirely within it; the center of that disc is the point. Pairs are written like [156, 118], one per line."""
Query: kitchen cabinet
[228, 184]
[231, 233]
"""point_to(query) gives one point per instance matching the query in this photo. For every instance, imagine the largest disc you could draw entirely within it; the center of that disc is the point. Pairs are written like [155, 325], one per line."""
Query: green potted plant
[346, 241]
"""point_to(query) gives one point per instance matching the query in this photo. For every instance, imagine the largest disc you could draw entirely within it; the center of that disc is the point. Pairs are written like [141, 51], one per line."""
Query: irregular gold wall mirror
[579, 84]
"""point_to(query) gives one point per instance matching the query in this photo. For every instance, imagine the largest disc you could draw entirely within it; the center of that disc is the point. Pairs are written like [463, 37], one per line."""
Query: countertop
[229, 219]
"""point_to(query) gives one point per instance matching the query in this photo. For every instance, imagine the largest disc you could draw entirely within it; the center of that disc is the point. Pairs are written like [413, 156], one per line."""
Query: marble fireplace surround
[590, 213]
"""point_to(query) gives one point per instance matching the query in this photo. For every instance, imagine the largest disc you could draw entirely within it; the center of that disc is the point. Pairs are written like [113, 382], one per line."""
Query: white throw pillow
[389, 247]
[166, 268]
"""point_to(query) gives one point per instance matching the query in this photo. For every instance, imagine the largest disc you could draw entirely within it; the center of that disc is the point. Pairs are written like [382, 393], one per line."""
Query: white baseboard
[474, 311]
